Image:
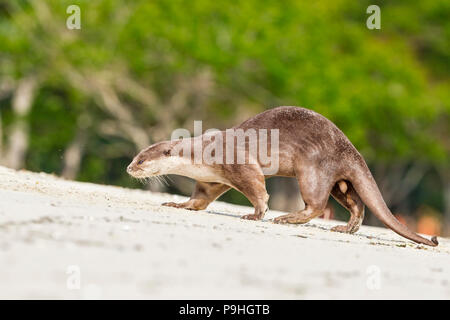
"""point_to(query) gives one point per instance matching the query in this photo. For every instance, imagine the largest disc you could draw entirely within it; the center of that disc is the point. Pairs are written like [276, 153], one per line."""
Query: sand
[69, 240]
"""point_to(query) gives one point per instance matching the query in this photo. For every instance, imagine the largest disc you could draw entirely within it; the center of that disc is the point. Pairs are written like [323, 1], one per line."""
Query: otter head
[152, 161]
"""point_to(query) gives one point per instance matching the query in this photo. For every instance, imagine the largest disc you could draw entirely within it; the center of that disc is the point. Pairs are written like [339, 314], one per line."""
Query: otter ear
[166, 152]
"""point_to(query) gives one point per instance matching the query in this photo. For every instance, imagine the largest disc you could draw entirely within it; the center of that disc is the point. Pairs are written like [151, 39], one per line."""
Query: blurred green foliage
[143, 68]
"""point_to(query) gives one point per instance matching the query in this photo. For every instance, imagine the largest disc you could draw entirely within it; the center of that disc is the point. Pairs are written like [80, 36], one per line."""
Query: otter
[310, 148]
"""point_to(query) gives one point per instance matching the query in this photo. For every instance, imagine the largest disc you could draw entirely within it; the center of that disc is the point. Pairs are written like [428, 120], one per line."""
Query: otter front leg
[259, 201]
[204, 193]
[252, 184]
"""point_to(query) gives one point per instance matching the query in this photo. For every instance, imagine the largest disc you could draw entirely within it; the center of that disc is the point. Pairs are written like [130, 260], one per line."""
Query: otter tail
[367, 189]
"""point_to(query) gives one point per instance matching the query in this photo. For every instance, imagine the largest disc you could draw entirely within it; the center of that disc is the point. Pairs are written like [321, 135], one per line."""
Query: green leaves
[386, 89]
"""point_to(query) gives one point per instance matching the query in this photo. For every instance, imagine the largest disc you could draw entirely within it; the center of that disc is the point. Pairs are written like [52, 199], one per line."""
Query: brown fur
[312, 149]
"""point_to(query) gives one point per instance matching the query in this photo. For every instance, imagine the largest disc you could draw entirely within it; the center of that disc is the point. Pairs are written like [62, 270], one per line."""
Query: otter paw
[342, 229]
[279, 220]
[350, 227]
[283, 220]
[183, 205]
[252, 217]
[172, 204]
[292, 218]
[191, 208]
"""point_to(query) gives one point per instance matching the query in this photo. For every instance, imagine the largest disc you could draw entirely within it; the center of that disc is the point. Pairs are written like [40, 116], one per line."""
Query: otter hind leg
[315, 189]
[204, 193]
[345, 194]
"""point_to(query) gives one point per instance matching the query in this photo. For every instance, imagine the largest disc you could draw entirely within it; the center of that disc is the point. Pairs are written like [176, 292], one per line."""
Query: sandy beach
[69, 240]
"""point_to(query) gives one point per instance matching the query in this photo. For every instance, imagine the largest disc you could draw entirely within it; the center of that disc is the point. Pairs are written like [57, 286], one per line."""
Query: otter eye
[141, 162]
[166, 152]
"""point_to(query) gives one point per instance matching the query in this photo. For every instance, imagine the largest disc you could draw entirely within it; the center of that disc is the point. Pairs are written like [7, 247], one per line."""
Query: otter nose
[129, 169]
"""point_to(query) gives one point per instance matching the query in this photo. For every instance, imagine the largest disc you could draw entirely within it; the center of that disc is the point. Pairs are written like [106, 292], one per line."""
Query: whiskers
[163, 179]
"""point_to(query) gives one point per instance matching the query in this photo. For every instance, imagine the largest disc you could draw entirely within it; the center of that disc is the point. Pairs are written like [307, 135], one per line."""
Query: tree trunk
[18, 138]
[73, 155]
